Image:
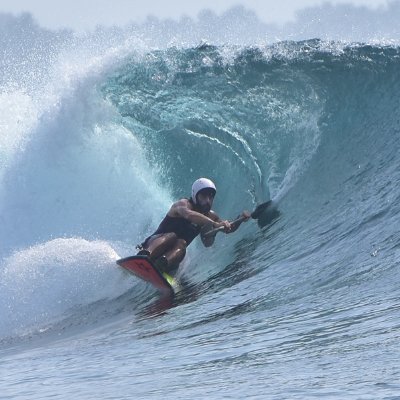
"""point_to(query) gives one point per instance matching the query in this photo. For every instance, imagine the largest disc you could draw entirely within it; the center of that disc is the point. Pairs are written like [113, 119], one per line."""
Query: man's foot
[161, 264]
[143, 252]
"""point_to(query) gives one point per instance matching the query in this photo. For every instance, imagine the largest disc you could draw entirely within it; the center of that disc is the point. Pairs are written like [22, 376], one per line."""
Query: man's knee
[171, 237]
[181, 244]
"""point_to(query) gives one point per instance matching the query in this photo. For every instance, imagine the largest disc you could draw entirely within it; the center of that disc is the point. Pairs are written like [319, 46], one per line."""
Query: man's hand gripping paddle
[208, 234]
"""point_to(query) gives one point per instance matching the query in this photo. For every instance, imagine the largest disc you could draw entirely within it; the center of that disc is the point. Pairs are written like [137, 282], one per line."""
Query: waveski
[144, 268]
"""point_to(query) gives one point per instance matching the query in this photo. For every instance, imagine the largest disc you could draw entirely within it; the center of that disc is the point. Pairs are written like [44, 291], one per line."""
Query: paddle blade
[269, 215]
[260, 209]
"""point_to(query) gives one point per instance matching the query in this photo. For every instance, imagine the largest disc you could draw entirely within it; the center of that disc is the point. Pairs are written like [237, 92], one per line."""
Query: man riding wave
[166, 247]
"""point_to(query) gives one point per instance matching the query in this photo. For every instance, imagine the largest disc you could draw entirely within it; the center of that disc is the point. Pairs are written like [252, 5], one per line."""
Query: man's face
[205, 199]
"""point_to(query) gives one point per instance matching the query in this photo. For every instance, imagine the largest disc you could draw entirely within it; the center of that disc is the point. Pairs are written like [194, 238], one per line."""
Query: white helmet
[200, 184]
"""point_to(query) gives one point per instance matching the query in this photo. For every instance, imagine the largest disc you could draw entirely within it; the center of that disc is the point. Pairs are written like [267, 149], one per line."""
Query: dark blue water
[304, 306]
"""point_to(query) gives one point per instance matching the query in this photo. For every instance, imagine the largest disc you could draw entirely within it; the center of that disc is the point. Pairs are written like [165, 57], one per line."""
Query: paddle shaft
[221, 228]
[255, 215]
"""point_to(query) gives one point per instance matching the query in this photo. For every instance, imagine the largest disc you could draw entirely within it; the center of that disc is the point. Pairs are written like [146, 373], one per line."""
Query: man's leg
[176, 254]
[165, 250]
[160, 244]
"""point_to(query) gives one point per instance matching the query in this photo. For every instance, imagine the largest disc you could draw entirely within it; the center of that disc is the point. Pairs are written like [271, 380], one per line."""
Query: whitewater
[101, 132]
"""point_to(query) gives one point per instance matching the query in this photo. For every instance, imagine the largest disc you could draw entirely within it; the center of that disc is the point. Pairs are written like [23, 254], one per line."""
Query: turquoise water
[306, 306]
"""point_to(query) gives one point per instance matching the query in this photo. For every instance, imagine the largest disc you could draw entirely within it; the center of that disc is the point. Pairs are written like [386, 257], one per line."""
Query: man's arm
[182, 208]
[245, 216]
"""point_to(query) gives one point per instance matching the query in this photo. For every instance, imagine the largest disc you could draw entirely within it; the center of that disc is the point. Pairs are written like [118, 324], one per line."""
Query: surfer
[186, 218]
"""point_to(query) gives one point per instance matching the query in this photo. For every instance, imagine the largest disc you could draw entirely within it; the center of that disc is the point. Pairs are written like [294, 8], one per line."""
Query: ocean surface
[99, 137]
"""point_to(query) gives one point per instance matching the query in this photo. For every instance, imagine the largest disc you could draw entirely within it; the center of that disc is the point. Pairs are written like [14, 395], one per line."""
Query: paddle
[208, 234]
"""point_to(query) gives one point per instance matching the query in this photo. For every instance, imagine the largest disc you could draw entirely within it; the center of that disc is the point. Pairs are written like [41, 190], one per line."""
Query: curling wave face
[312, 125]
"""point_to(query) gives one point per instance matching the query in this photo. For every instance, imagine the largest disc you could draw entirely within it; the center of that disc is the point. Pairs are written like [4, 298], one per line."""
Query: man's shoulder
[182, 202]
